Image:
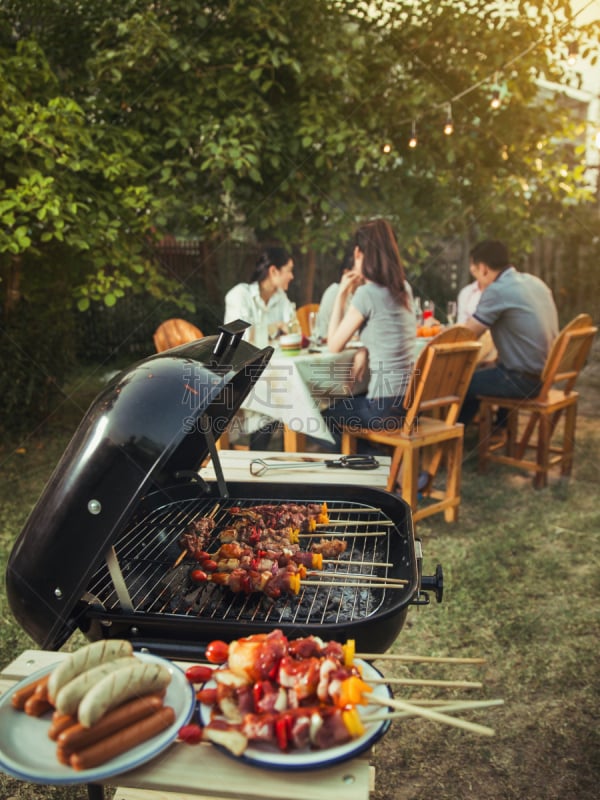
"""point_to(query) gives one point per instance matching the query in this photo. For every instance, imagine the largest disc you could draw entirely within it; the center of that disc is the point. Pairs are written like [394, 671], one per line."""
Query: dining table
[295, 389]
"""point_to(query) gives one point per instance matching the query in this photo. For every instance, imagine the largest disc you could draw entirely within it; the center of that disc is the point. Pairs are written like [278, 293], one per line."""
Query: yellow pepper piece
[323, 515]
[294, 582]
[349, 651]
[352, 721]
[312, 525]
[317, 560]
[294, 535]
[352, 692]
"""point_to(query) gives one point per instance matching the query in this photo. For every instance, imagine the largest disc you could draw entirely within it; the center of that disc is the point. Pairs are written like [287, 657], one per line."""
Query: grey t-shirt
[519, 310]
[388, 333]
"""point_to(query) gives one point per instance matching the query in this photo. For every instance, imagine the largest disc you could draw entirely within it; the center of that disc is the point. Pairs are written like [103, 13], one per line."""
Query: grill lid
[149, 429]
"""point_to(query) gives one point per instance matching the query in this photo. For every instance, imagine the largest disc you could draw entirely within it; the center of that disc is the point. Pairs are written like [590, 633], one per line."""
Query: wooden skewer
[362, 510]
[183, 553]
[347, 534]
[428, 682]
[338, 522]
[464, 705]
[359, 563]
[354, 584]
[415, 658]
[356, 576]
[432, 714]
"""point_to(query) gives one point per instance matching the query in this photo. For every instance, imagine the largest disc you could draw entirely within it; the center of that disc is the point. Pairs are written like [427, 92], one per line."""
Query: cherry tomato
[210, 565]
[201, 555]
[207, 697]
[192, 734]
[198, 576]
[217, 652]
[198, 674]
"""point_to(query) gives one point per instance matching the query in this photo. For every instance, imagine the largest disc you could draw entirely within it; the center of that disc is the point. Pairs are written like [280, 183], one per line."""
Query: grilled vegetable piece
[87, 657]
[132, 681]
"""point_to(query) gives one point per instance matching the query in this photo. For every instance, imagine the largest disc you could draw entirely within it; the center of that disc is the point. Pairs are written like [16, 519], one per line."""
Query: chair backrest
[173, 332]
[568, 355]
[441, 375]
[302, 314]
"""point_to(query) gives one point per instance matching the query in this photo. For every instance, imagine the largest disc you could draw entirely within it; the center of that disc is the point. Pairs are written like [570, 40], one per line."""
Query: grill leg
[95, 791]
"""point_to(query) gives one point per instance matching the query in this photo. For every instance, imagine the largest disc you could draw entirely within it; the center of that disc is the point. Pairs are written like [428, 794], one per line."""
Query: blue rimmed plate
[263, 755]
[26, 752]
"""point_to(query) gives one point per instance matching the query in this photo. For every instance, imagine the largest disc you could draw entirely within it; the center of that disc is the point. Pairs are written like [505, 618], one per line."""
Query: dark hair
[382, 263]
[492, 253]
[270, 257]
[347, 261]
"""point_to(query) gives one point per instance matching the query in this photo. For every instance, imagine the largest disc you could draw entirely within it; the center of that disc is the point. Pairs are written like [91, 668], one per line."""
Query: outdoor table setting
[293, 387]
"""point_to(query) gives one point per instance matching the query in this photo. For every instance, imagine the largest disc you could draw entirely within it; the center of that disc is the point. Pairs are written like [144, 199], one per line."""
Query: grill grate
[149, 547]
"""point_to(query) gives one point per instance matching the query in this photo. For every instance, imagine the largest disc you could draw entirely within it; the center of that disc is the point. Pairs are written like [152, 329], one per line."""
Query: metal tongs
[259, 466]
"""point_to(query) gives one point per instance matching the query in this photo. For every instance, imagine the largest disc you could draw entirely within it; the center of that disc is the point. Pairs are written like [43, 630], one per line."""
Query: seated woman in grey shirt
[381, 309]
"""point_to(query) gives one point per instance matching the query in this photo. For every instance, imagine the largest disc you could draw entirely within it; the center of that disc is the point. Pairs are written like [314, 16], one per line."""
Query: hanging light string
[447, 104]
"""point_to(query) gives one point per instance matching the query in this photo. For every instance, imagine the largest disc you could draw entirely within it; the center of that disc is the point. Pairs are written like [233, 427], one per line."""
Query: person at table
[382, 310]
[519, 311]
[466, 302]
[264, 300]
[330, 293]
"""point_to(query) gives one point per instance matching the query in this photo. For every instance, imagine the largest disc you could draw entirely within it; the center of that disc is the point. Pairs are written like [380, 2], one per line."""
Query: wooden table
[236, 467]
[185, 771]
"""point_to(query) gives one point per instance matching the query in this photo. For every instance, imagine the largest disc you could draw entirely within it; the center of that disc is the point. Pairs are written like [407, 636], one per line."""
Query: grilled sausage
[87, 657]
[72, 693]
[132, 681]
[123, 740]
[77, 737]
[20, 696]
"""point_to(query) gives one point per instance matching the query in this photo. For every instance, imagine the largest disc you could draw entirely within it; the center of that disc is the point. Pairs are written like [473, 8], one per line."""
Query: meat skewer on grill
[198, 534]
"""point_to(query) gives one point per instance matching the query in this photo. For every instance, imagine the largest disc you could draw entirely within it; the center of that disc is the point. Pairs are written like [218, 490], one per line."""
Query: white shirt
[467, 301]
[243, 301]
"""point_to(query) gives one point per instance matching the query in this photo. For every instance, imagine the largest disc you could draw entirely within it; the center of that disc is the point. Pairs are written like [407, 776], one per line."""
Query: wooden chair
[533, 423]
[429, 430]
[302, 314]
[173, 332]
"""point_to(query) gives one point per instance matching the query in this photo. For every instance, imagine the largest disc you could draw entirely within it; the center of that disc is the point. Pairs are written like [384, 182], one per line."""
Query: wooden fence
[207, 270]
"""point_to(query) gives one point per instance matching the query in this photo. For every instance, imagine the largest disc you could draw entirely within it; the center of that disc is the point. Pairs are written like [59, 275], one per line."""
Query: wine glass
[451, 312]
[312, 327]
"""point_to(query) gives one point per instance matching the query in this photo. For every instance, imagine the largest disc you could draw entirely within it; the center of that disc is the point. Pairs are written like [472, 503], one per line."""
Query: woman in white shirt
[263, 301]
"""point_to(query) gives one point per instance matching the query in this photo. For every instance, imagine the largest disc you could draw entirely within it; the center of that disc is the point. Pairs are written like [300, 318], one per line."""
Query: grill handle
[434, 582]
[230, 336]
[431, 582]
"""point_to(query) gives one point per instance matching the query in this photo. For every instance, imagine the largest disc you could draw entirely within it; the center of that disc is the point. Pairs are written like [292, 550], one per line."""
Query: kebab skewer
[299, 693]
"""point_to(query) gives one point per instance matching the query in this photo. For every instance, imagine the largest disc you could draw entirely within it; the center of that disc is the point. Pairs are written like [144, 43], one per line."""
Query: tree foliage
[125, 119]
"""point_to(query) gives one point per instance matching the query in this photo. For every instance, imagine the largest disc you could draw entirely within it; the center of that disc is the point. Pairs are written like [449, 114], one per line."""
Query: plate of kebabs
[100, 712]
[291, 704]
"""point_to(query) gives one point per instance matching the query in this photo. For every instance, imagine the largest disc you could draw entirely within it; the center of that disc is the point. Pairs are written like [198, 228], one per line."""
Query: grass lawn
[521, 589]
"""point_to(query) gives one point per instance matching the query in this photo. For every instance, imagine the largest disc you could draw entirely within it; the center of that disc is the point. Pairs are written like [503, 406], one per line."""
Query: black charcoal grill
[100, 550]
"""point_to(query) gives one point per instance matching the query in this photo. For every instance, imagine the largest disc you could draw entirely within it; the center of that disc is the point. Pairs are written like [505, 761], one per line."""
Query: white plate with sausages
[264, 755]
[28, 753]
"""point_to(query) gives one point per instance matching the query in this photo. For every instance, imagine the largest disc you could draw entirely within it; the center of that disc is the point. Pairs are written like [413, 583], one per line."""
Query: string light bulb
[449, 126]
[495, 101]
[413, 141]
[387, 148]
[572, 53]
